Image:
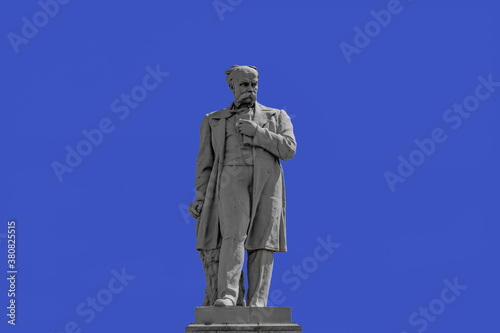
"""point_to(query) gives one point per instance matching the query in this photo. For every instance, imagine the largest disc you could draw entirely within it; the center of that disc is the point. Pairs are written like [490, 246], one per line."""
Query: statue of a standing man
[240, 190]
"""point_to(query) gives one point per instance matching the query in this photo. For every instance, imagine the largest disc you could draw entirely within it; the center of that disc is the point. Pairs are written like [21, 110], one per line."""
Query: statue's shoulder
[267, 108]
[273, 111]
[217, 114]
[270, 109]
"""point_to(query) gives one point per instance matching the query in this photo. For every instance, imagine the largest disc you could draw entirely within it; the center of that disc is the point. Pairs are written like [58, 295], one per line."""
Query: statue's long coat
[273, 140]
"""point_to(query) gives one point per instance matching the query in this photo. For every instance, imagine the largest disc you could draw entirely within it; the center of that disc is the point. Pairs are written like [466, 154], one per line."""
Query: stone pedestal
[214, 319]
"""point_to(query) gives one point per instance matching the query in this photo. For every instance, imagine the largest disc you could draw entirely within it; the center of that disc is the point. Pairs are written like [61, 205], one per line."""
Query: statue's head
[243, 82]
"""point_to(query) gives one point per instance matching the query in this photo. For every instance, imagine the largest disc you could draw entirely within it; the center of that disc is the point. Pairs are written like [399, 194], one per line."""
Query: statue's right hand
[195, 208]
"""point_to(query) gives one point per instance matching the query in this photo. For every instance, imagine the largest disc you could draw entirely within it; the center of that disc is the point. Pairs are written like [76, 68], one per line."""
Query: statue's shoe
[224, 302]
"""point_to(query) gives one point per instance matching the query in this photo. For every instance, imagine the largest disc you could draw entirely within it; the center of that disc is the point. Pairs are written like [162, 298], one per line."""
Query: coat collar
[261, 116]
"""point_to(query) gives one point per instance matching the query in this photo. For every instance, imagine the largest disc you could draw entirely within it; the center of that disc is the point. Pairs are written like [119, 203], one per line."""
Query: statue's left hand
[195, 208]
[246, 127]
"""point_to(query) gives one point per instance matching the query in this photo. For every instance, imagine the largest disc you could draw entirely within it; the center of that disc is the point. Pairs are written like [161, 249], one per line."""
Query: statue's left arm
[282, 143]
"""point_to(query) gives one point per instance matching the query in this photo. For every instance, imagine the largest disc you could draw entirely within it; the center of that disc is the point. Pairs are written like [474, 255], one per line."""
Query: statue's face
[245, 85]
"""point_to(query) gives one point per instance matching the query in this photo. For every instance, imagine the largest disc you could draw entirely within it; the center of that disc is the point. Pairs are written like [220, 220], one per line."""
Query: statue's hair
[230, 71]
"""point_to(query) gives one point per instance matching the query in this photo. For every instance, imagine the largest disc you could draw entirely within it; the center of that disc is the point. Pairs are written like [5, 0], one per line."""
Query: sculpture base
[213, 319]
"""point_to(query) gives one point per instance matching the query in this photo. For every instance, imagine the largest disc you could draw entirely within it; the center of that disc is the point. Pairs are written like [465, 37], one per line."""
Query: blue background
[124, 206]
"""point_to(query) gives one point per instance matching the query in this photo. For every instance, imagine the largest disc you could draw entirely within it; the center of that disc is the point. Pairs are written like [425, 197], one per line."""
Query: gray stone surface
[238, 314]
[210, 260]
[244, 328]
[243, 319]
[240, 192]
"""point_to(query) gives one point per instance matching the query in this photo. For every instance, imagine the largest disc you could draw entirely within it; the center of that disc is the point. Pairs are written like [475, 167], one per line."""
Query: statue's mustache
[247, 94]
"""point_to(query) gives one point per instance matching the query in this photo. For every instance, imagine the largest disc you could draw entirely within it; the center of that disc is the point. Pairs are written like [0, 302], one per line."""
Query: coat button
[269, 171]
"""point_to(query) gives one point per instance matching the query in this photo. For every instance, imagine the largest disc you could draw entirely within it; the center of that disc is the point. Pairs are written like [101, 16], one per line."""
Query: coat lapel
[219, 131]
[262, 166]
[262, 114]
[261, 117]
